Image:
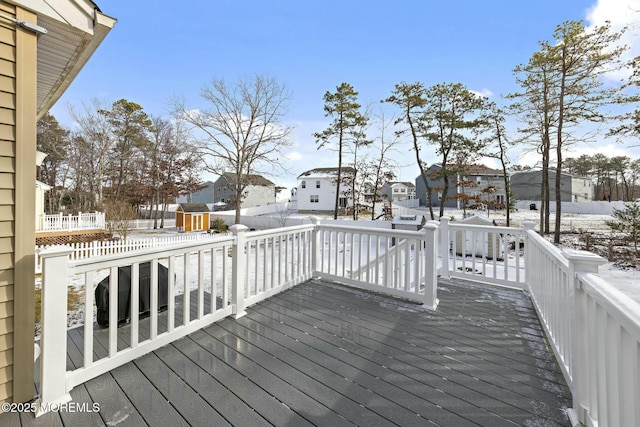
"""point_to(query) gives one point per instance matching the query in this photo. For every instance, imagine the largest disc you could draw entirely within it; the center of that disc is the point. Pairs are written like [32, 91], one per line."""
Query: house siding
[255, 195]
[526, 186]
[17, 177]
[482, 178]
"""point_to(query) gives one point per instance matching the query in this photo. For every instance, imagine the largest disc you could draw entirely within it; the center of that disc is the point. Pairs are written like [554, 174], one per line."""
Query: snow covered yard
[580, 231]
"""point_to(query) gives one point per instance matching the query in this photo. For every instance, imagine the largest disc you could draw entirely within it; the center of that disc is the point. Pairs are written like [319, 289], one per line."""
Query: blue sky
[158, 49]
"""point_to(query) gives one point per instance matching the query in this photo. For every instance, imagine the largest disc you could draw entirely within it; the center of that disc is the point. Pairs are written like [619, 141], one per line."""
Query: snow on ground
[626, 280]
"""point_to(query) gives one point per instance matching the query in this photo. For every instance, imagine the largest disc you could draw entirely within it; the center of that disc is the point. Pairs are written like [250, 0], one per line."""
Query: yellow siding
[8, 84]
[7, 116]
[6, 341]
[7, 68]
[7, 164]
[6, 180]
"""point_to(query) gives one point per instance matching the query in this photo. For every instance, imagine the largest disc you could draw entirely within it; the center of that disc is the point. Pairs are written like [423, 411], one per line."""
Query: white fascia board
[80, 14]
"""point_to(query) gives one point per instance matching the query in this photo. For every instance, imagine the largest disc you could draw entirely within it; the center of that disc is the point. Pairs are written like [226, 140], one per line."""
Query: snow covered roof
[325, 172]
[259, 180]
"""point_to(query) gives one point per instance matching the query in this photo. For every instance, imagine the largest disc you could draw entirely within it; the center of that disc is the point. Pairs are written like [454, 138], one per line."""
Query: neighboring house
[203, 196]
[526, 185]
[478, 177]
[317, 190]
[193, 217]
[259, 192]
[396, 191]
[35, 70]
[41, 189]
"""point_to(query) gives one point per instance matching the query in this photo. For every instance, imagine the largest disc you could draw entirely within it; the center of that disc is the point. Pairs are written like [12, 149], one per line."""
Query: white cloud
[620, 14]
[294, 156]
[484, 93]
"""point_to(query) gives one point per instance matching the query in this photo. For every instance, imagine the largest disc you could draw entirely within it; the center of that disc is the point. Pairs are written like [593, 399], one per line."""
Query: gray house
[397, 191]
[476, 179]
[259, 192]
[203, 196]
[526, 186]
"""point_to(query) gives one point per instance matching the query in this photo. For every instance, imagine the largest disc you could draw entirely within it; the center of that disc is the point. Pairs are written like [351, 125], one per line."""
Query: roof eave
[102, 24]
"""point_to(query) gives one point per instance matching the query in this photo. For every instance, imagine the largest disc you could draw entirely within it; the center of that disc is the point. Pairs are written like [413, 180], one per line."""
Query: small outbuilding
[478, 243]
[408, 222]
[192, 217]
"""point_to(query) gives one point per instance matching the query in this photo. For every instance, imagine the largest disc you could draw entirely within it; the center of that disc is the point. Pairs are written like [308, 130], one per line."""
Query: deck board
[147, 399]
[195, 410]
[325, 354]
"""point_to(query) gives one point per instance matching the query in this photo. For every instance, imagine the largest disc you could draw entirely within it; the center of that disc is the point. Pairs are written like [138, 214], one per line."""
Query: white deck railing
[60, 222]
[400, 263]
[209, 280]
[479, 253]
[594, 330]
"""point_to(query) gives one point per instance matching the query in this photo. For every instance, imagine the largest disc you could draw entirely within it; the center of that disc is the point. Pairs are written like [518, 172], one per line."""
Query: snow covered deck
[325, 354]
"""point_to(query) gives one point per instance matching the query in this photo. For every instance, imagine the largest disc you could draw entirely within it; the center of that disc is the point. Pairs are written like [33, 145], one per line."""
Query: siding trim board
[8, 68]
[24, 268]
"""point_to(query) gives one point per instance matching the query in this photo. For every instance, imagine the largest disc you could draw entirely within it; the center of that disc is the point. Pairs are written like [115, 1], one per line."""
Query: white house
[317, 190]
[396, 191]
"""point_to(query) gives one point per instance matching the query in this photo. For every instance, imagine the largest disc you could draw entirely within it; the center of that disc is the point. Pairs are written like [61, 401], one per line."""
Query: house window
[317, 184]
[395, 190]
[342, 202]
[403, 190]
[314, 198]
[303, 184]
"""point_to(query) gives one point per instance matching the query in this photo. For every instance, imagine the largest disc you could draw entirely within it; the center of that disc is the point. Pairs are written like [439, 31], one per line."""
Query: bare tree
[94, 132]
[383, 169]
[242, 127]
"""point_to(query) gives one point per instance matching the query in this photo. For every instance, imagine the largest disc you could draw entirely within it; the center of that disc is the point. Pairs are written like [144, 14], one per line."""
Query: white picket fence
[99, 248]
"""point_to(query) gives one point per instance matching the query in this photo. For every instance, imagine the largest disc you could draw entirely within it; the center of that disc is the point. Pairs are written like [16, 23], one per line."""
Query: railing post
[315, 244]
[444, 247]
[238, 269]
[53, 318]
[430, 239]
[528, 226]
[580, 262]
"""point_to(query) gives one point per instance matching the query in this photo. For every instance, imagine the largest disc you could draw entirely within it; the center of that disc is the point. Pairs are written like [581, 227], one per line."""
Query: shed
[477, 243]
[192, 217]
[407, 222]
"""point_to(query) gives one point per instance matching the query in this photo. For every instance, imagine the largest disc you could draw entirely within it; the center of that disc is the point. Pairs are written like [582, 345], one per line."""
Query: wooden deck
[323, 354]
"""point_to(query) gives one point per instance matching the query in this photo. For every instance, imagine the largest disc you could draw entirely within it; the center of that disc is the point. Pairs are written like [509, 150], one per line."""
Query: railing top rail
[494, 228]
[370, 230]
[552, 250]
[622, 307]
[142, 255]
[279, 231]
